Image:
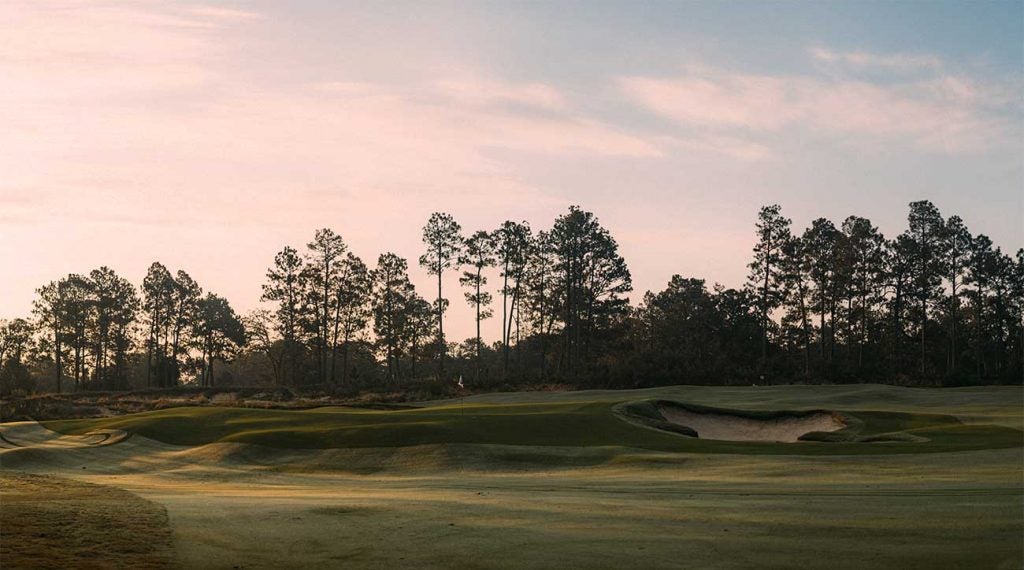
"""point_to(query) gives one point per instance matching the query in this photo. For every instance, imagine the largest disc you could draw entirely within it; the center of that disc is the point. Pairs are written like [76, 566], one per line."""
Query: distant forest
[933, 306]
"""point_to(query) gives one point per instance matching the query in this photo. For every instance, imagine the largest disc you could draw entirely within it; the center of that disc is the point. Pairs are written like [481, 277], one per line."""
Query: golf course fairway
[906, 478]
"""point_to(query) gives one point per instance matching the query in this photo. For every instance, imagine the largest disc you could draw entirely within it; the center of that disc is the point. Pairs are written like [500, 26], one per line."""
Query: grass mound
[549, 424]
[578, 424]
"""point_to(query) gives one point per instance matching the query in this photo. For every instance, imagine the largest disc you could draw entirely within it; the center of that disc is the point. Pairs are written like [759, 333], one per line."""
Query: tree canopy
[933, 305]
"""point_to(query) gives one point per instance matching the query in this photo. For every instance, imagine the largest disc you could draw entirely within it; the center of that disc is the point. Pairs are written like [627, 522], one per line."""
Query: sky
[210, 135]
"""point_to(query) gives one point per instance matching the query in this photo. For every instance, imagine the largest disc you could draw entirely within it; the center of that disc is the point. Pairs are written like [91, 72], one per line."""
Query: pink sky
[209, 136]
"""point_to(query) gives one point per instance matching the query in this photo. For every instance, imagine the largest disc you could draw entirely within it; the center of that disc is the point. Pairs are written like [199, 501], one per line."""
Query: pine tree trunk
[56, 356]
[807, 334]
[764, 303]
[344, 363]
[440, 322]
[478, 325]
[924, 323]
[954, 310]
[504, 317]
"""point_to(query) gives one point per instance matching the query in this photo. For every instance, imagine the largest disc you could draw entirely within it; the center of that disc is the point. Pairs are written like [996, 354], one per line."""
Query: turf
[577, 487]
[560, 424]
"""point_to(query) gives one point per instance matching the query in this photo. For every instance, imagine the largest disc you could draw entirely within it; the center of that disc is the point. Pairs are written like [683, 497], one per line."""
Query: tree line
[934, 305]
[337, 322]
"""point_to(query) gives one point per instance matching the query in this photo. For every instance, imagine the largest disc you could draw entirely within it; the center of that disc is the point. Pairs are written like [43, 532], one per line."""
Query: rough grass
[50, 522]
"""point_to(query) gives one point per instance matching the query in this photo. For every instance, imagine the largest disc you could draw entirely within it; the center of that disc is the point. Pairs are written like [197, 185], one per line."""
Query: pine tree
[772, 235]
[443, 237]
[478, 254]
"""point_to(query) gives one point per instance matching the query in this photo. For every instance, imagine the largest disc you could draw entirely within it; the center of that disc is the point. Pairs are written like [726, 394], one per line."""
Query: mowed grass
[728, 512]
[558, 480]
[552, 423]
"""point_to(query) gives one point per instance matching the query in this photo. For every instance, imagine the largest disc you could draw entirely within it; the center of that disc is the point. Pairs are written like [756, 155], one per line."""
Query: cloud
[225, 14]
[348, 88]
[945, 113]
[755, 102]
[902, 62]
[141, 95]
[478, 91]
[732, 147]
[96, 51]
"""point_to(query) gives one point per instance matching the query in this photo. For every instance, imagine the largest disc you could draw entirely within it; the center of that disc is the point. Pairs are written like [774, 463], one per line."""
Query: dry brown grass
[51, 522]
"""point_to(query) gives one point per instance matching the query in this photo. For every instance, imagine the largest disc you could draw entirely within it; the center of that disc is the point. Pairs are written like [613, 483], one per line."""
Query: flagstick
[462, 397]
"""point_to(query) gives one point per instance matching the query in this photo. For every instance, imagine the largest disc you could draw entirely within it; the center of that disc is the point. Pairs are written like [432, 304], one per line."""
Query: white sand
[736, 428]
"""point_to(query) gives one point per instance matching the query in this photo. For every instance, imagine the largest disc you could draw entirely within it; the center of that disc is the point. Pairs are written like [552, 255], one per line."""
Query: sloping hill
[557, 424]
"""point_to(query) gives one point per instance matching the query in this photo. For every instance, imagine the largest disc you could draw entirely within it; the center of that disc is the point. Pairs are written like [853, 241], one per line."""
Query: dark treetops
[934, 305]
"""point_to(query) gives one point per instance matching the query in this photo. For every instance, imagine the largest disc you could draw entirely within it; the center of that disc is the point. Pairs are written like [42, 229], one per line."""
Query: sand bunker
[784, 428]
